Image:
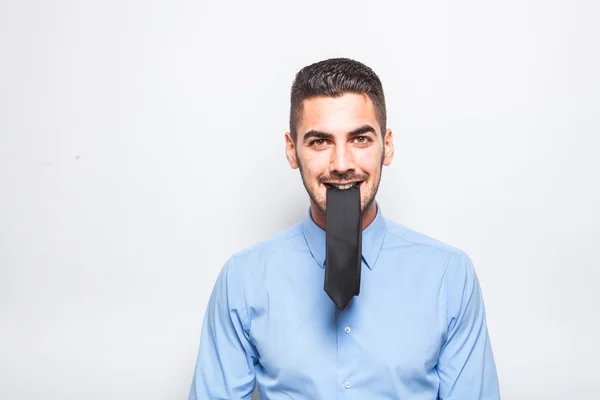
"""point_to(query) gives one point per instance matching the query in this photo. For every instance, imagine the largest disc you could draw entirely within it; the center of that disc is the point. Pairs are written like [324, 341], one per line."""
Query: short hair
[333, 78]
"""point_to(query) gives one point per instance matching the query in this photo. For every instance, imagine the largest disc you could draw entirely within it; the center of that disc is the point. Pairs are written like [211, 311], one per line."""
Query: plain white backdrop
[142, 143]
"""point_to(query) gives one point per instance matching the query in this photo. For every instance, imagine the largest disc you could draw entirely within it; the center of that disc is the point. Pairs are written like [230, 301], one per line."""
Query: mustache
[348, 176]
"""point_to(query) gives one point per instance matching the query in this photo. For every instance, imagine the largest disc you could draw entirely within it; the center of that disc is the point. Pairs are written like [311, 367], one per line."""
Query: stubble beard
[365, 200]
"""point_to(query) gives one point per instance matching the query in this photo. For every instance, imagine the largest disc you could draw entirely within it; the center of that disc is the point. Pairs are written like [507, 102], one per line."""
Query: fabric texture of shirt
[416, 331]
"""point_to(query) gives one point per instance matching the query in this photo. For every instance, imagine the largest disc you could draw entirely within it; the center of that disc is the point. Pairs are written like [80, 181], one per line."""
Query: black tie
[343, 242]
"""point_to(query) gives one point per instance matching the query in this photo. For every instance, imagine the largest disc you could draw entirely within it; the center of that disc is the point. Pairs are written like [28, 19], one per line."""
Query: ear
[388, 147]
[290, 150]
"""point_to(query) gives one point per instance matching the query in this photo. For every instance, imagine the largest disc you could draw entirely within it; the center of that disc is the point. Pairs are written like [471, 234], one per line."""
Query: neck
[320, 218]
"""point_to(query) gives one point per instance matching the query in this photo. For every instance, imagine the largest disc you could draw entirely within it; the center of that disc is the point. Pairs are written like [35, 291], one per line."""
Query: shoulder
[447, 258]
[283, 241]
[244, 267]
[399, 232]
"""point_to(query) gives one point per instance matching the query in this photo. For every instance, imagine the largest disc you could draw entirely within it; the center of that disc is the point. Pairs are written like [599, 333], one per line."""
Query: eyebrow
[325, 135]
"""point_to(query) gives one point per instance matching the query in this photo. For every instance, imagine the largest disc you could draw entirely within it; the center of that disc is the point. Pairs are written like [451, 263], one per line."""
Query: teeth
[348, 186]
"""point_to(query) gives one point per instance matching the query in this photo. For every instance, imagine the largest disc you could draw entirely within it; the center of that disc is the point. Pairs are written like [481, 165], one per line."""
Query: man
[326, 311]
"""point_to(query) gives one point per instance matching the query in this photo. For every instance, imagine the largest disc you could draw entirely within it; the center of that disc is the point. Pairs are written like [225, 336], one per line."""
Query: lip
[357, 184]
[342, 183]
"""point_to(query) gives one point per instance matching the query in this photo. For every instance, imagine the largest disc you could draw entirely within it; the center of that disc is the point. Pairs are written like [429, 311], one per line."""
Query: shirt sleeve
[225, 368]
[466, 366]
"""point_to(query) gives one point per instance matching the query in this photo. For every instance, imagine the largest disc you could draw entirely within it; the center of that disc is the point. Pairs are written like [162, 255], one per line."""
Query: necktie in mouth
[343, 244]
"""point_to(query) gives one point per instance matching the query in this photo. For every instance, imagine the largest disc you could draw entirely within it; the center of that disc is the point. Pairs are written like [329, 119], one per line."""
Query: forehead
[337, 114]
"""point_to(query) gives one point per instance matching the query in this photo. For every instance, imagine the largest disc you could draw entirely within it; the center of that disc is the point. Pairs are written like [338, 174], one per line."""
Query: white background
[142, 143]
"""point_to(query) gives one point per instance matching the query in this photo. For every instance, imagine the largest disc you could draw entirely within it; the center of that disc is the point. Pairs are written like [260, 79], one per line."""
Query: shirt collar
[372, 239]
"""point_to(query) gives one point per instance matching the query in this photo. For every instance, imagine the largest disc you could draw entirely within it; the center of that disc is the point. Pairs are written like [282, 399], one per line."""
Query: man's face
[339, 143]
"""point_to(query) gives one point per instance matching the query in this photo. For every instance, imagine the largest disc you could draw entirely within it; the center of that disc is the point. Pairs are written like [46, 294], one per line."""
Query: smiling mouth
[343, 186]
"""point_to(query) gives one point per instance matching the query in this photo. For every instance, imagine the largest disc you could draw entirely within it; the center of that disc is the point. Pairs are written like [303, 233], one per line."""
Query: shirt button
[347, 385]
[347, 329]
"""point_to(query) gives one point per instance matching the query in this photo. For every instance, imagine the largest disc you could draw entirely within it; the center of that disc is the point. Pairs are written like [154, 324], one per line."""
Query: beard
[366, 198]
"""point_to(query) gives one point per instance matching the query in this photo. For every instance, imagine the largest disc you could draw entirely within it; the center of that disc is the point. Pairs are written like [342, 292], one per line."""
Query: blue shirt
[416, 331]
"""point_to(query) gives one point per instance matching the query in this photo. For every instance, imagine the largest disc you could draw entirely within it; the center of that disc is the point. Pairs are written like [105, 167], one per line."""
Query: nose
[342, 160]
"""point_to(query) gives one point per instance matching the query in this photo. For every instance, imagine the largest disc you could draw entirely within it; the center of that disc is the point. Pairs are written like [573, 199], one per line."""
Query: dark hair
[333, 78]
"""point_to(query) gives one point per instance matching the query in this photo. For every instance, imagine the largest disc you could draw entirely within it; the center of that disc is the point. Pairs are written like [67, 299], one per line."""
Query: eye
[362, 139]
[318, 142]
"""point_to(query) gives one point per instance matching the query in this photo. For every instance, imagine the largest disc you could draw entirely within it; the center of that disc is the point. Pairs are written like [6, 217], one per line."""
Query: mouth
[341, 185]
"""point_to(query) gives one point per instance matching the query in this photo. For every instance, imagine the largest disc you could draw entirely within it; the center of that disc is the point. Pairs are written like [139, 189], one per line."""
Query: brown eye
[361, 139]
[318, 142]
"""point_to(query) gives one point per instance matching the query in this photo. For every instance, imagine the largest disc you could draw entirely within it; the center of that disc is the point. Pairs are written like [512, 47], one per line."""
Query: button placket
[347, 352]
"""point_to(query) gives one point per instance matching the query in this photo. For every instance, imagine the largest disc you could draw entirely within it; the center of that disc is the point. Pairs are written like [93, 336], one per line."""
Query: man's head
[338, 129]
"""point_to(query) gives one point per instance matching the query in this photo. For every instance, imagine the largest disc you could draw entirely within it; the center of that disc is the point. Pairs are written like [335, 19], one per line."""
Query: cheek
[368, 162]
[315, 165]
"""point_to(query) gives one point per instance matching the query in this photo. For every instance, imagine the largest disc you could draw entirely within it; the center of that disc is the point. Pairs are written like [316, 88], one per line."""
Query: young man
[345, 304]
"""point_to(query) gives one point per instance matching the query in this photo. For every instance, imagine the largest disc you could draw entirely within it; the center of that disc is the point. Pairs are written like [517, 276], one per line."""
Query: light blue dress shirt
[416, 331]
